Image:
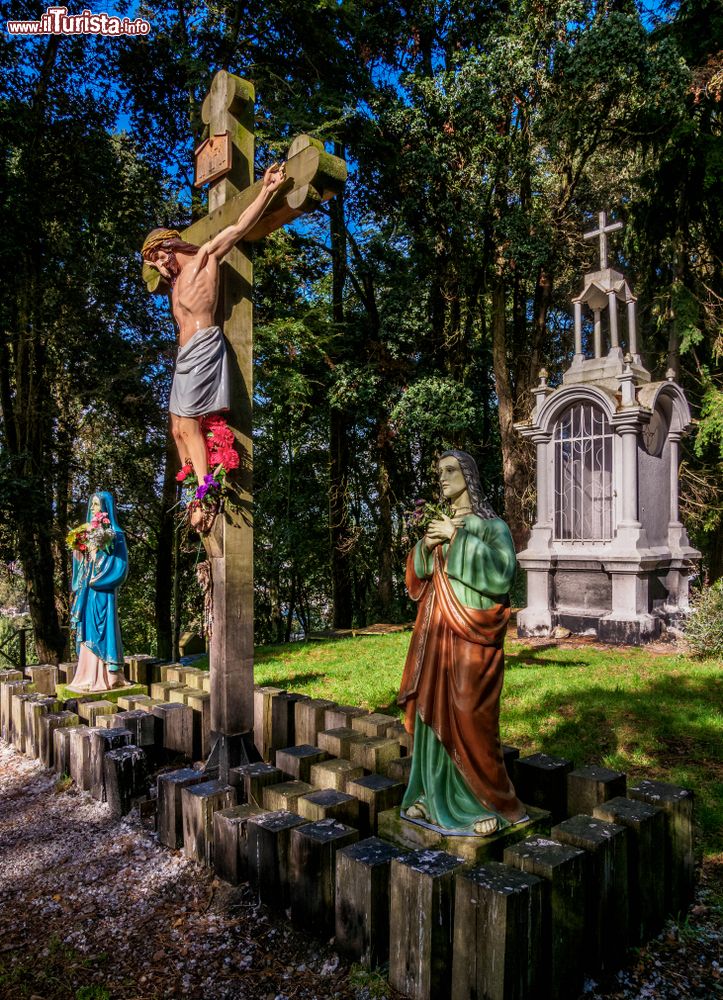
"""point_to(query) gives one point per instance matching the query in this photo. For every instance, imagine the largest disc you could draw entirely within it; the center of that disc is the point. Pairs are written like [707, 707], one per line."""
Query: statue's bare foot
[417, 811]
[117, 679]
[484, 827]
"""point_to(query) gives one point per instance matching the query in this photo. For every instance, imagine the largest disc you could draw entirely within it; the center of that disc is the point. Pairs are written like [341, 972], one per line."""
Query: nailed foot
[201, 518]
[117, 679]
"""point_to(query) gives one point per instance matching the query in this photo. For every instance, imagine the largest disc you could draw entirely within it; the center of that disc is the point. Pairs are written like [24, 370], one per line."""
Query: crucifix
[312, 177]
[602, 232]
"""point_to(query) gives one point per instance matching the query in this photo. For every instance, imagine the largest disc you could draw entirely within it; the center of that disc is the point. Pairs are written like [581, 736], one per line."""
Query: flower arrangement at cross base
[222, 458]
[95, 535]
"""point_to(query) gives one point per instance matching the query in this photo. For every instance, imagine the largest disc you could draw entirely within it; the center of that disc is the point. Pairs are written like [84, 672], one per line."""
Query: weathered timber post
[313, 176]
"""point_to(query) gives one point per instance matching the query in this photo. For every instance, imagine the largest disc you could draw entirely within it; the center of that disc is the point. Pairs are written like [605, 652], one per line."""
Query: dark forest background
[412, 315]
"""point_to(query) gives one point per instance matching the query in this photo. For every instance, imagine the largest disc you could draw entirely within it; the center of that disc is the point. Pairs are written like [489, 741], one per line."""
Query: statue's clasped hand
[440, 530]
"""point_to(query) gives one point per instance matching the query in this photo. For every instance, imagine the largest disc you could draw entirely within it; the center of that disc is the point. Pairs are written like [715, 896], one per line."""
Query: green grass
[652, 716]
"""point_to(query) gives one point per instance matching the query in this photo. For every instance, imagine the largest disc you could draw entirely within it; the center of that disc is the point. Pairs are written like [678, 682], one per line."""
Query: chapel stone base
[413, 836]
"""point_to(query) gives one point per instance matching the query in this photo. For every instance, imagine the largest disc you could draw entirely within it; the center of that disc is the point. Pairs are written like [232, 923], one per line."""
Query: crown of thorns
[156, 238]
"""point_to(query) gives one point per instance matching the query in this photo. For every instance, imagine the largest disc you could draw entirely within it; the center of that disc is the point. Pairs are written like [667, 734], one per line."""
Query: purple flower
[210, 481]
[201, 491]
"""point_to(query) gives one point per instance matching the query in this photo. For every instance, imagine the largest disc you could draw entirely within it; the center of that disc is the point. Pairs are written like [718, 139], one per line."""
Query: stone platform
[412, 836]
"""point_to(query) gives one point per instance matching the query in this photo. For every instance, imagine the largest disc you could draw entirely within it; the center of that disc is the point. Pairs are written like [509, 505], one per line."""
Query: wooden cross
[602, 231]
[313, 176]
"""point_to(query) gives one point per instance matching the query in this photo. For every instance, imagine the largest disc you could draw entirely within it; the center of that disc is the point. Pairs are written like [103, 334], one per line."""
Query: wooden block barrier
[328, 803]
[374, 753]
[498, 928]
[677, 806]
[335, 774]
[340, 716]
[269, 839]
[284, 795]
[251, 779]
[312, 864]
[49, 724]
[170, 811]
[230, 842]
[199, 802]
[337, 742]
[264, 720]
[541, 780]
[296, 762]
[309, 720]
[646, 872]
[126, 778]
[376, 794]
[606, 917]
[374, 725]
[587, 787]
[362, 900]
[563, 870]
[421, 924]
[102, 741]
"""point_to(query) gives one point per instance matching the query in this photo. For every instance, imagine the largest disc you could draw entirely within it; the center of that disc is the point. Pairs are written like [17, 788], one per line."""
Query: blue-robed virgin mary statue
[98, 572]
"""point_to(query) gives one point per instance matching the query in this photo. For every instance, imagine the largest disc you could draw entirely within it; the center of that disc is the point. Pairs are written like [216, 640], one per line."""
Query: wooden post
[313, 176]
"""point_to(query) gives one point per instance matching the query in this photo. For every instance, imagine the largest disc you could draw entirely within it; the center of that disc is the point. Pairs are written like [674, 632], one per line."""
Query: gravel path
[95, 909]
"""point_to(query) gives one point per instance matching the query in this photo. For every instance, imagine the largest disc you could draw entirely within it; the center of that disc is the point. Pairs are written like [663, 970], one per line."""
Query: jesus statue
[201, 379]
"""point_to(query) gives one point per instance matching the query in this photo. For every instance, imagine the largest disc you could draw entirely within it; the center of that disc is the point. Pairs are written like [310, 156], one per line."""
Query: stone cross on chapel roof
[602, 231]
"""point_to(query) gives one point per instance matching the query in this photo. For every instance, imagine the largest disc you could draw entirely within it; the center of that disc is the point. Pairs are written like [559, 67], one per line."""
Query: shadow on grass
[294, 680]
[534, 658]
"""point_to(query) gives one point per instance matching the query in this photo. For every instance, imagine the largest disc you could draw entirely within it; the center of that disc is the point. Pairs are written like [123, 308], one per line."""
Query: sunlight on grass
[652, 716]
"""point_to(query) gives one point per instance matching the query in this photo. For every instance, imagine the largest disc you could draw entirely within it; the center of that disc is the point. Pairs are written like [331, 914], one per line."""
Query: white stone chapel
[607, 551]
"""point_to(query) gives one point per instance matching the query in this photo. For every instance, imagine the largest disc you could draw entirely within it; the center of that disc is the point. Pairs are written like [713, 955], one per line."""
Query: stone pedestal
[646, 863]
[677, 806]
[563, 870]
[421, 924]
[170, 812]
[230, 840]
[414, 836]
[498, 918]
[313, 873]
[606, 922]
[362, 900]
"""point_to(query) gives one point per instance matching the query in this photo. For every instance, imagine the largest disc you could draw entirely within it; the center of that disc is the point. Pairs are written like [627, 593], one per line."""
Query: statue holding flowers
[460, 574]
[100, 566]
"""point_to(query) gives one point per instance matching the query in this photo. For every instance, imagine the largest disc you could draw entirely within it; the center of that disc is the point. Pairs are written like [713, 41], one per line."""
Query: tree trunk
[385, 458]
[515, 464]
[339, 440]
